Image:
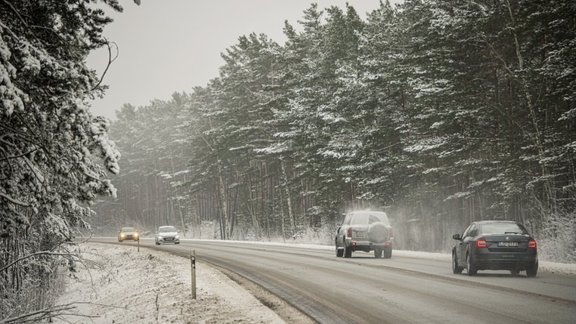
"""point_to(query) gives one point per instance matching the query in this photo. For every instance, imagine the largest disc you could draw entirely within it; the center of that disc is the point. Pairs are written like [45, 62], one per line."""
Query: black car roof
[495, 221]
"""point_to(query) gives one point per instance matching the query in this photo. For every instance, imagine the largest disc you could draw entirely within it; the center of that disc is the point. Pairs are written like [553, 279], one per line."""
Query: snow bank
[118, 284]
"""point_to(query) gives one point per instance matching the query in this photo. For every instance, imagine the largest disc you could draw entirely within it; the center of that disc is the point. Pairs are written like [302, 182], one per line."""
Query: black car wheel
[455, 268]
[157, 243]
[532, 270]
[378, 253]
[339, 252]
[470, 266]
[387, 252]
[347, 251]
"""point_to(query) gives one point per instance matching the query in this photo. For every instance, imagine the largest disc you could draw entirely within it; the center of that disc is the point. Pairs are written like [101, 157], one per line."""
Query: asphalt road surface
[363, 289]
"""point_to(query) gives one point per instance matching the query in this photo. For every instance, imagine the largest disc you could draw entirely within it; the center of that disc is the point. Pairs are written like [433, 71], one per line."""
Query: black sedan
[495, 245]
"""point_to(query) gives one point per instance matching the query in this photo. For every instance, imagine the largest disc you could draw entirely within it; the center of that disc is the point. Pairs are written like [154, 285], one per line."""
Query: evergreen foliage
[55, 156]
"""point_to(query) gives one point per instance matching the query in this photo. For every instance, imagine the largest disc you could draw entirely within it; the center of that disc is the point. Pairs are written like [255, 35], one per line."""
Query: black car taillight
[532, 244]
[349, 232]
[481, 243]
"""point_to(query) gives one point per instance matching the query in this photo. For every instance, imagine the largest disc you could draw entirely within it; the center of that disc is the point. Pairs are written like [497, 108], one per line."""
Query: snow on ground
[118, 284]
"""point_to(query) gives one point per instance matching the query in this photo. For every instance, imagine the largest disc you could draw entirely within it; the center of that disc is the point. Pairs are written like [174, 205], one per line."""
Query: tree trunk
[288, 198]
[223, 201]
[537, 137]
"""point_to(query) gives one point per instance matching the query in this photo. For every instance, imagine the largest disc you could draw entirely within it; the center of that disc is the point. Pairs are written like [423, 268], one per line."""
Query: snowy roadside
[117, 284]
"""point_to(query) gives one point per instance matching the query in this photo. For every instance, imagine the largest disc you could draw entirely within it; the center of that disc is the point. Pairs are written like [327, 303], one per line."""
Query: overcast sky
[169, 46]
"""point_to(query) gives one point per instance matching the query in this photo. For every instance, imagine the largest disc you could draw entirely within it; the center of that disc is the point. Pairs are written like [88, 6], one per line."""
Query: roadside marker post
[193, 272]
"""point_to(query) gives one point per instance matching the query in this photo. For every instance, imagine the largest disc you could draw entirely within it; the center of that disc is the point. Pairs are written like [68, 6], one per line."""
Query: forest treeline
[439, 112]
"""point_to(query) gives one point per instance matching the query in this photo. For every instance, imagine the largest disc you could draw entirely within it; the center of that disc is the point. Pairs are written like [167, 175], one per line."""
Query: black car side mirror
[457, 237]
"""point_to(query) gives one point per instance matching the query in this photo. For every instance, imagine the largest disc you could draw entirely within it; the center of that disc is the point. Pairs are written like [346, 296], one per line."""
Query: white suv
[366, 231]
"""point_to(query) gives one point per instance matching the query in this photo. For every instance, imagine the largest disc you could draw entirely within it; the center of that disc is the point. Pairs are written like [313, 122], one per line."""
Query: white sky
[169, 46]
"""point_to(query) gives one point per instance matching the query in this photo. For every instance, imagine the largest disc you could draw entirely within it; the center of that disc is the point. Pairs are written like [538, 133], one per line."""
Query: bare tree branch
[110, 61]
[33, 255]
[7, 160]
[54, 311]
[14, 201]
[28, 25]
[17, 156]
[16, 12]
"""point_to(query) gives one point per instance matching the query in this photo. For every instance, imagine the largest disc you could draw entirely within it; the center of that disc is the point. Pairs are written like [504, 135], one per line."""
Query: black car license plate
[508, 244]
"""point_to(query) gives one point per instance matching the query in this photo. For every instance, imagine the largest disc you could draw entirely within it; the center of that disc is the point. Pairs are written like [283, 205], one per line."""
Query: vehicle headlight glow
[177, 237]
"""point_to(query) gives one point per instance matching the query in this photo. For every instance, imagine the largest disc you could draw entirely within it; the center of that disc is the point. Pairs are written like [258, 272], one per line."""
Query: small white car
[167, 234]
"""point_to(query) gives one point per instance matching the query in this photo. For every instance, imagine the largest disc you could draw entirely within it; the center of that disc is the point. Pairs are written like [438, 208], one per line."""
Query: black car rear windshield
[364, 218]
[502, 228]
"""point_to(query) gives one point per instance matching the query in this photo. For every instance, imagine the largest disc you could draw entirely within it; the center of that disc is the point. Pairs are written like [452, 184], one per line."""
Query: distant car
[128, 233]
[167, 234]
[495, 245]
[364, 231]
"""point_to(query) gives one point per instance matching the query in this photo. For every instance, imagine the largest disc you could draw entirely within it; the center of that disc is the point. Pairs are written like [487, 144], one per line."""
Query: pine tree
[54, 155]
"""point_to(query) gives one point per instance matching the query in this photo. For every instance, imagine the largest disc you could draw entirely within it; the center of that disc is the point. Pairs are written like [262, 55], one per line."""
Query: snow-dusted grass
[558, 238]
[118, 284]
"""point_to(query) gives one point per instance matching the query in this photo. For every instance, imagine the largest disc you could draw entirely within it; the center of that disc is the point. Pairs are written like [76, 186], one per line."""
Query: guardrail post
[193, 272]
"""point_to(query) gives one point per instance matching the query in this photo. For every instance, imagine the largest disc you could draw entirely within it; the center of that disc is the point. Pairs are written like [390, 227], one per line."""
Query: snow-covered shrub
[558, 238]
[323, 235]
